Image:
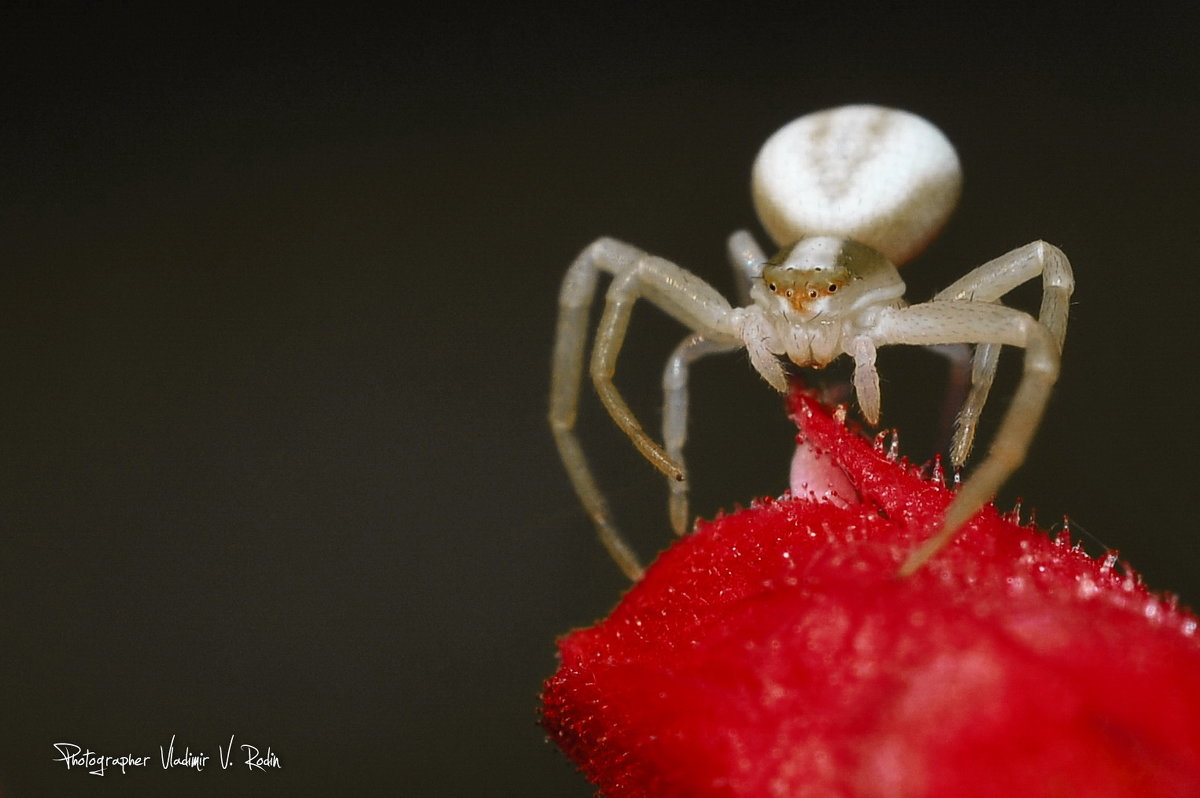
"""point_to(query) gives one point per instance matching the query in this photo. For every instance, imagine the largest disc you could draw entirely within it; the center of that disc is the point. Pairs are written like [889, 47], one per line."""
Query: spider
[848, 194]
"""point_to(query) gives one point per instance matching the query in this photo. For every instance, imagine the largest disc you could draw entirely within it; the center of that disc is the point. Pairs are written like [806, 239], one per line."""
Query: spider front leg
[574, 301]
[681, 295]
[981, 323]
[989, 283]
[635, 275]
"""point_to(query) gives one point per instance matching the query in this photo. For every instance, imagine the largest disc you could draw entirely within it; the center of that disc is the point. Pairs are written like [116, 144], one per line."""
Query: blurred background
[278, 293]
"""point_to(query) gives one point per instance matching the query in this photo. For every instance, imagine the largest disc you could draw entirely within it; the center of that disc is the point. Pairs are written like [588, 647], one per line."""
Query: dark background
[278, 293]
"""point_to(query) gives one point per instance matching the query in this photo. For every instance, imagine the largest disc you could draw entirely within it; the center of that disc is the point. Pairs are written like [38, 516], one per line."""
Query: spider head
[825, 276]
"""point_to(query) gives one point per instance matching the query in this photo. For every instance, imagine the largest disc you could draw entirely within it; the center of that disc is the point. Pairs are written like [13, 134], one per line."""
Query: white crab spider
[848, 194]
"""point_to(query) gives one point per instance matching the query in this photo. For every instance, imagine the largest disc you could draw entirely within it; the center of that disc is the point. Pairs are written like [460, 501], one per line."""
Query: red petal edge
[774, 653]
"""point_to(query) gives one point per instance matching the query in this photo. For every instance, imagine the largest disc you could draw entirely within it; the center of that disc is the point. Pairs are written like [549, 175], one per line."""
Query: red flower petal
[775, 652]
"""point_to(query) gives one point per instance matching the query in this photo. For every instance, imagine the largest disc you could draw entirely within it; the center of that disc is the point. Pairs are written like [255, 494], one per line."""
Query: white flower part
[814, 476]
[880, 176]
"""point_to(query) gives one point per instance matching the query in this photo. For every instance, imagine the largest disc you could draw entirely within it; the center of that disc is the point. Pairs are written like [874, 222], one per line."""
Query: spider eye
[832, 287]
[812, 294]
[772, 287]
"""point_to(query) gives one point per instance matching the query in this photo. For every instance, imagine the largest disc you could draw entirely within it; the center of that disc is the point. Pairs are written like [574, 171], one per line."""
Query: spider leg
[635, 275]
[958, 386]
[680, 294]
[989, 283]
[981, 323]
[747, 258]
[966, 423]
[574, 302]
[675, 411]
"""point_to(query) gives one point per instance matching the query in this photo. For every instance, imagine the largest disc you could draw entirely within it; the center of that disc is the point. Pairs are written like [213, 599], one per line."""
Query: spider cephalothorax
[811, 295]
[849, 194]
[808, 273]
